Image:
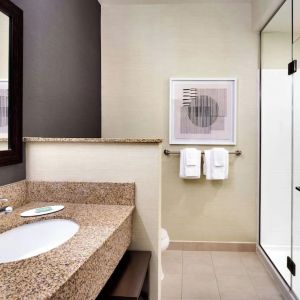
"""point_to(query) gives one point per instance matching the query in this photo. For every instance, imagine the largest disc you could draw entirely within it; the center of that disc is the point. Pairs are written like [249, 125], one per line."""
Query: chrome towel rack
[168, 152]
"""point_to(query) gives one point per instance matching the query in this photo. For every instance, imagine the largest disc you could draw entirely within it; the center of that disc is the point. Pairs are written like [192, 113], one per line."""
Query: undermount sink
[36, 238]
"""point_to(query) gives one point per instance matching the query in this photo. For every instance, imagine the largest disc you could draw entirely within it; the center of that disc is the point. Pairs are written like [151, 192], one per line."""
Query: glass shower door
[276, 140]
[296, 136]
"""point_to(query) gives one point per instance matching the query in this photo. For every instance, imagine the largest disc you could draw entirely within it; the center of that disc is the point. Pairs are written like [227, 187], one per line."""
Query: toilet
[164, 244]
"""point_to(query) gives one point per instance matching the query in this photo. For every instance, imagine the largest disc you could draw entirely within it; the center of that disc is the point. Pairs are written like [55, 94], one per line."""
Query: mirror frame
[14, 154]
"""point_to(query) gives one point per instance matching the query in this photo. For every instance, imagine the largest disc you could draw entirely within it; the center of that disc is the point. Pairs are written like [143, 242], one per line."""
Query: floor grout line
[181, 273]
[215, 274]
[249, 276]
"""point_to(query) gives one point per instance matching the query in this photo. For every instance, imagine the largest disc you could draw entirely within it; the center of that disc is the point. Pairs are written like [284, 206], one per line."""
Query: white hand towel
[219, 157]
[219, 163]
[190, 163]
[216, 164]
[191, 156]
[207, 164]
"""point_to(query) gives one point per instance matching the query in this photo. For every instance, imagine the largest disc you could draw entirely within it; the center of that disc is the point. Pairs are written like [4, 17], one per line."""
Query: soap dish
[42, 211]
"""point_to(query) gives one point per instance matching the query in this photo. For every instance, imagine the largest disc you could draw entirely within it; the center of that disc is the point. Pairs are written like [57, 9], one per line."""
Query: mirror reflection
[4, 75]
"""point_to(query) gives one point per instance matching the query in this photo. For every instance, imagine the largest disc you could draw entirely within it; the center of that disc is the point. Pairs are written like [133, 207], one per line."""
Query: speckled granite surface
[77, 269]
[93, 140]
[82, 192]
[15, 193]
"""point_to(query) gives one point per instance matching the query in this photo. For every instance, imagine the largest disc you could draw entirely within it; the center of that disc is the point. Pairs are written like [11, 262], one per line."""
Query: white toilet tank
[165, 240]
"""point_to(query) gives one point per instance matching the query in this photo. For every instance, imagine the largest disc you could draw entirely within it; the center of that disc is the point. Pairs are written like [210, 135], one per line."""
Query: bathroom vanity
[79, 268]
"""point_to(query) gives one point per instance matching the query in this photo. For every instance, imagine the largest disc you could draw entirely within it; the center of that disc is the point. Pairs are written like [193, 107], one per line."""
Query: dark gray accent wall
[10, 174]
[13, 173]
[62, 72]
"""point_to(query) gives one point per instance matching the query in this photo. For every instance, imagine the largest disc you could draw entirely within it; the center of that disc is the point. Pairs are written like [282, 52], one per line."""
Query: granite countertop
[79, 268]
[95, 140]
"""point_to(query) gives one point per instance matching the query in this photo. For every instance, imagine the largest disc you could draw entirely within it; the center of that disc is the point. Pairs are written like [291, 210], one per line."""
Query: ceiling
[282, 21]
[128, 2]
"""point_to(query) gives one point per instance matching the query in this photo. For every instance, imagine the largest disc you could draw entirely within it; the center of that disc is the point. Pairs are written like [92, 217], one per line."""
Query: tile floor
[210, 275]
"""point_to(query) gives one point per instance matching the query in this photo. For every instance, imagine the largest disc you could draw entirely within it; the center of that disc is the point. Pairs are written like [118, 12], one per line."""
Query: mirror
[11, 69]
[4, 62]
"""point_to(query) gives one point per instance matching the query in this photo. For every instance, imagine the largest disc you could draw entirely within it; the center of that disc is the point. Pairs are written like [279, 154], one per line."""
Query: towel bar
[168, 152]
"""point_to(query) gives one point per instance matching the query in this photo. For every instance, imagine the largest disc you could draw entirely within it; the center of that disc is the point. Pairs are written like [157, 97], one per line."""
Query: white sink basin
[33, 239]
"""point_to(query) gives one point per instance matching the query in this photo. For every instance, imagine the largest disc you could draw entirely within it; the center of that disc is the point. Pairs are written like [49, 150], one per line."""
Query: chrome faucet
[5, 209]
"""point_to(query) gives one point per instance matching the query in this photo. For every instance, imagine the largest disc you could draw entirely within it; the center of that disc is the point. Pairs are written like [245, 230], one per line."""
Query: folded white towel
[219, 157]
[191, 156]
[207, 164]
[216, 164]
[190, 163]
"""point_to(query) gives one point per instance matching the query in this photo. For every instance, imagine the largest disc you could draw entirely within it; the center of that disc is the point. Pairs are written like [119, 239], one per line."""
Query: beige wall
[145, 45]
[139, 163]
[4, 33]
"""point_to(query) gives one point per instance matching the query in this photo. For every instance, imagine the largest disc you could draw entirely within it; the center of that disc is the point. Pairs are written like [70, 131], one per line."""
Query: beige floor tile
[252, 264]
[265, 287]
[236, 287]
[204, 275]
[273, 297]
[197, 263]
[172, 262]
[171, 286]
[202, 287]
[228, 263]
[211, 298]
[189, 298]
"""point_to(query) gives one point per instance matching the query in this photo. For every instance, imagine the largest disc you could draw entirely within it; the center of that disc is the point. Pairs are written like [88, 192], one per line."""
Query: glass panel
[276, 139]
[296, 198]
[4, 71]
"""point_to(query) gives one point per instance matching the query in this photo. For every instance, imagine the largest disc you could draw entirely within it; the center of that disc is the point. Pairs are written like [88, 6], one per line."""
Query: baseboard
[212, 246]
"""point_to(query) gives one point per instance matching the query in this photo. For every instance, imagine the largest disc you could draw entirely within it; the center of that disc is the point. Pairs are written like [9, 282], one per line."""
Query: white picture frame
[203, 111]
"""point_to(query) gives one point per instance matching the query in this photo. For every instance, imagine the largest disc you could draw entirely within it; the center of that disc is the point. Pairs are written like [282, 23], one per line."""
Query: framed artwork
[203, 111]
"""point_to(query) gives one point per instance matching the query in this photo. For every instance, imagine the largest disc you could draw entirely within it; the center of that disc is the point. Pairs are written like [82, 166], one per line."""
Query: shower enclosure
[280, 143]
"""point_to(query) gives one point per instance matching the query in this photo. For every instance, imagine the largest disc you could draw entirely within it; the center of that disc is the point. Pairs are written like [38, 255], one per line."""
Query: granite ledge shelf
[94, 140]
[79, 268]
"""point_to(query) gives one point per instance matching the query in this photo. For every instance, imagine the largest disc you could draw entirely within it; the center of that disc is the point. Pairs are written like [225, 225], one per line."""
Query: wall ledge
[94, 140]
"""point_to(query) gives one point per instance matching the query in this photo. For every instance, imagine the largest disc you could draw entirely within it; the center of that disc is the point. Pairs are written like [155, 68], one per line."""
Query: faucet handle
[8, 210]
